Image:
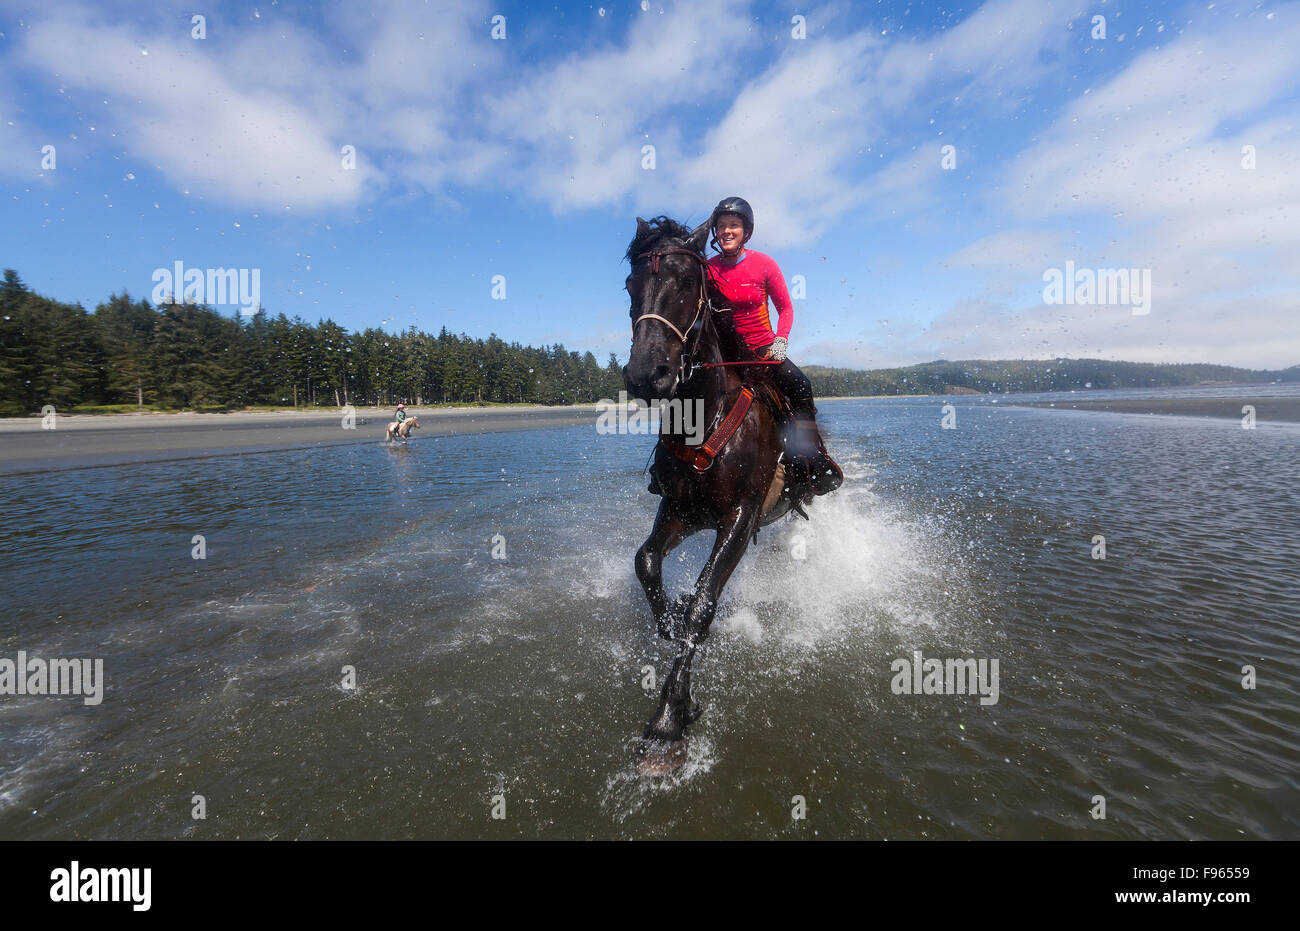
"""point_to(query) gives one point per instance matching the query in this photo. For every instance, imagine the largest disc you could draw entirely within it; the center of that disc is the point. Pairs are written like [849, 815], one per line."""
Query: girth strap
[702, 456]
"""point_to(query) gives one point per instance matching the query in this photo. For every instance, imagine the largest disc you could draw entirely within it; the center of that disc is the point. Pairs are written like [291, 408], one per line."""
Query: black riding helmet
[740, 207]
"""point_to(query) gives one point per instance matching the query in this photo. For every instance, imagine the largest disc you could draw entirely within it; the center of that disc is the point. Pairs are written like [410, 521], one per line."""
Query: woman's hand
[778, 349]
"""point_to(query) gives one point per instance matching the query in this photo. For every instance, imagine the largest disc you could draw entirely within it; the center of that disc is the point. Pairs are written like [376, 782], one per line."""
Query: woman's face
[731, 233]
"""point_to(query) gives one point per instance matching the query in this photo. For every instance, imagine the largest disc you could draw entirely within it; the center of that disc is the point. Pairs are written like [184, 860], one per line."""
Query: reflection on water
[1119, 677]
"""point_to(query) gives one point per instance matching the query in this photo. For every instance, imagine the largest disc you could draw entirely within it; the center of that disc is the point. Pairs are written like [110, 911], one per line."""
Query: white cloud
[1025, 251]
[176, 106]
[257, 112]
[797, 139]
[20, 142]
[1144, 170]
[1144, 152]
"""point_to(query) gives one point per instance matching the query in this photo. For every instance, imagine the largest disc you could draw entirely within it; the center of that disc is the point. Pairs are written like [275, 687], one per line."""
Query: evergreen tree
[125, 331]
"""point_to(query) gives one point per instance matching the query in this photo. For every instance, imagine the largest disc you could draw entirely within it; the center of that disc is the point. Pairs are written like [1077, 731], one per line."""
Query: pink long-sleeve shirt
[747, 285]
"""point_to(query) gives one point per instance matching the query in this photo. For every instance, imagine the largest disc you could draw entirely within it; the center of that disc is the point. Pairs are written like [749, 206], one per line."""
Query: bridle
[688, 367]
[699, 305]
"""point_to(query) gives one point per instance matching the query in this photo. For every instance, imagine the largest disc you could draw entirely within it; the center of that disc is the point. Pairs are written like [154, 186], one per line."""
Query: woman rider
[747, 279]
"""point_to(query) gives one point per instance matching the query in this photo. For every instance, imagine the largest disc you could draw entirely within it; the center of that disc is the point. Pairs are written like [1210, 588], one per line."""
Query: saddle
[791, 478]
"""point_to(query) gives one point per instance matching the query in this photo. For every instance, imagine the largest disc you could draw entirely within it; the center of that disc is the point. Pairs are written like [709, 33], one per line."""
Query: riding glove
[778, 349]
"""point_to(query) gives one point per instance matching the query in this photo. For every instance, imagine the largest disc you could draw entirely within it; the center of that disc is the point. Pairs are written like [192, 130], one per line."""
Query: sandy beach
[80, 440]
[1277, 410]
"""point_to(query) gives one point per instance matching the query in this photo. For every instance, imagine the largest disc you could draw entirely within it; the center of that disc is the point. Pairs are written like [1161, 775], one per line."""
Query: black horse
[684, 348]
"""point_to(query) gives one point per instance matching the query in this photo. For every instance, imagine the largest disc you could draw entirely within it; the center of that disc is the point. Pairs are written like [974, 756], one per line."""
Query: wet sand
[81, 440]
[1277, 410]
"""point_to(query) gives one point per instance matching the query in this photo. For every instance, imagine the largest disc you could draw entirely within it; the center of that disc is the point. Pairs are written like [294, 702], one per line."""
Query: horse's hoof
[658, 758]
[694, 713]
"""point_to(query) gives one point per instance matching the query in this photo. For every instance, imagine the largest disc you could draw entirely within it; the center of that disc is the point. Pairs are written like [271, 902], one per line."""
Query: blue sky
[522, 157]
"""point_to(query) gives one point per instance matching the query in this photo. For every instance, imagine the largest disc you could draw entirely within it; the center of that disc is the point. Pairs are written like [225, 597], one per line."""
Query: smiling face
[731, 234]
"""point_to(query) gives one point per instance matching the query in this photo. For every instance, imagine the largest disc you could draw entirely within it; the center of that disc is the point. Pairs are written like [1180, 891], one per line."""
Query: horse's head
[667, 289]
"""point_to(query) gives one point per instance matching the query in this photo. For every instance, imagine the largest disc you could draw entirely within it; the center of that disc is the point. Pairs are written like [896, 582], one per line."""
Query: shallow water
[522, 676]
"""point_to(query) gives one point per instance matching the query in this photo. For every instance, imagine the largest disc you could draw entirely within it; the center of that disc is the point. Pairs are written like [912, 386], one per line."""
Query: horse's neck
[715, 386]
[729, 342]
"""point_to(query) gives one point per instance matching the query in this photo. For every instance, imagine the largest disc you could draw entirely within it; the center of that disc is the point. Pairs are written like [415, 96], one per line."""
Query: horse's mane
[656, 231]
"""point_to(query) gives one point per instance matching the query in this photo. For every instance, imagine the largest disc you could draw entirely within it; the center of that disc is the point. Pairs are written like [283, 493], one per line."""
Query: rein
[714, 365]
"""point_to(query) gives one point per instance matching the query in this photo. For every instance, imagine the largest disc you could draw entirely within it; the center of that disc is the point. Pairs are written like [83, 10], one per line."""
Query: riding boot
[803, 441]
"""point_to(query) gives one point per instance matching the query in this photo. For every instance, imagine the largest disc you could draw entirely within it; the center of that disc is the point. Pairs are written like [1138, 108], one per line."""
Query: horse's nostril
[663, 381]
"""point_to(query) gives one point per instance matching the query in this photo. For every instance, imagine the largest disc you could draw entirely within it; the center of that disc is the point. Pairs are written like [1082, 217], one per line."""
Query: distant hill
[1003, 376]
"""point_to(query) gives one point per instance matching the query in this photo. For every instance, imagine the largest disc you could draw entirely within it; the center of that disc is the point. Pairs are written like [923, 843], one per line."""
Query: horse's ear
[699, 237]
[642, 227]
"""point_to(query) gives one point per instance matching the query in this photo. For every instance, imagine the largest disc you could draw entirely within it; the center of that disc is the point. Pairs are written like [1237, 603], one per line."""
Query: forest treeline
[186, 356]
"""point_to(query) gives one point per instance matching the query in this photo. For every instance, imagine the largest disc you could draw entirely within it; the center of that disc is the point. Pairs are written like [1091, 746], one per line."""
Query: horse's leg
[669, 530]
[663, 745]
[732, 540]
